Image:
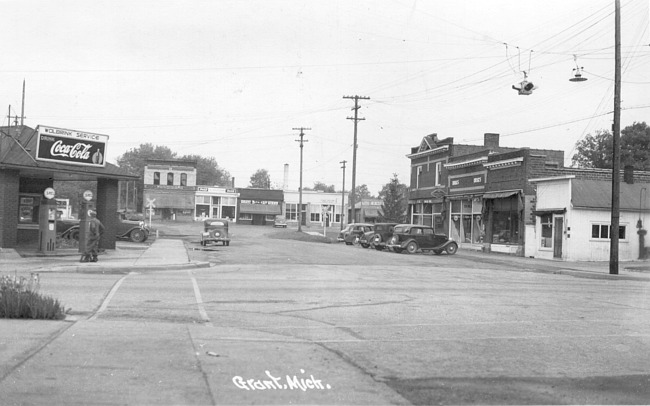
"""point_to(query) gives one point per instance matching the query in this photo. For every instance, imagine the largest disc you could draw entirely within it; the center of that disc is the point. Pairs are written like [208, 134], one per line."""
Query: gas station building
[31, 160]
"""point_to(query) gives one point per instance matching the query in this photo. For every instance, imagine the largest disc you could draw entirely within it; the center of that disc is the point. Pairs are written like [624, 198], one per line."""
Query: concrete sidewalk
[161, 254]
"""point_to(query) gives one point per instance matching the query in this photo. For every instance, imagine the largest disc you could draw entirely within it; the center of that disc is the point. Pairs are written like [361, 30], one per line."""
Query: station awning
[260, 208]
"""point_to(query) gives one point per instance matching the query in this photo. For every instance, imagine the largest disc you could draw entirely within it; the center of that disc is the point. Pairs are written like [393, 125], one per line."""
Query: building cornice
[504, 164]
[465, 164]
[428, 152]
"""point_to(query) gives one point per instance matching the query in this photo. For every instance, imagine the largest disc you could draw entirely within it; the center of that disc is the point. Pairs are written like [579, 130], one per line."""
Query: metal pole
[616, 158]
[302, 134]
[343, 195]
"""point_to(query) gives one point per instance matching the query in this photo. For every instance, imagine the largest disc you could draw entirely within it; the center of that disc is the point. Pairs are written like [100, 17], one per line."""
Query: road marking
[199, 300]
[108, 298]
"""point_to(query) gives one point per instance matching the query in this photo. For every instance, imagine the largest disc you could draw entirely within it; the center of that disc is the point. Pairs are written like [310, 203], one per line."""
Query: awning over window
[260, 208]
[176, 200]
[542, 212]
[499, 195]
[371, 213]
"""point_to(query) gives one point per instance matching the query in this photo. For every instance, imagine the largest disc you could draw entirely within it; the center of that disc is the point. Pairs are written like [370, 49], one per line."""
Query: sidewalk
[161, 254]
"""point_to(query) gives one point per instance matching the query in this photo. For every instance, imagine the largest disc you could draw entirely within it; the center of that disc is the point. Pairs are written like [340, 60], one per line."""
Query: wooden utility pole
[616, 147]
[301, 141]
[354, 150]
[22, 110]
[343, 194]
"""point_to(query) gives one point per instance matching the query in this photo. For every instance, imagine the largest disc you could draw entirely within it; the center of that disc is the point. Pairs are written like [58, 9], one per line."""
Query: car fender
[126, 234]
[446, 244]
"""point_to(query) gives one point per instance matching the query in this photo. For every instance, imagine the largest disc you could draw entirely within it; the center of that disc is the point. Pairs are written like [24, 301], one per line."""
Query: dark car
[133, 230]
[378, 237]
[351, 234]
[215, 230]
[411, 238]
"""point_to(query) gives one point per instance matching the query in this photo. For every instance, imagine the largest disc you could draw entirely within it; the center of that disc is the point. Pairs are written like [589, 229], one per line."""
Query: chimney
[233, 182]
[628, 174]
[285, 184]
[491, 140]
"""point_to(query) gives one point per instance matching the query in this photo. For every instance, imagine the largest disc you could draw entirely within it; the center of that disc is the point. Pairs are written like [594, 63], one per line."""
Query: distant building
[170, 185]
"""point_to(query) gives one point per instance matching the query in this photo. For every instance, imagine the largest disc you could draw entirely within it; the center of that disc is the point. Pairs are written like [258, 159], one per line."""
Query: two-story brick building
[476, 194]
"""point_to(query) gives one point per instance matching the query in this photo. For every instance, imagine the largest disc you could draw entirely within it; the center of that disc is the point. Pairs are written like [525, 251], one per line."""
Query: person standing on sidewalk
[95, 231]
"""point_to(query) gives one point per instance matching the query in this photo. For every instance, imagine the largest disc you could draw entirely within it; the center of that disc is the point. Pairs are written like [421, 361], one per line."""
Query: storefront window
[467, 221]
[505, 221]
[292, 211]
[28, 209]
[547, 231]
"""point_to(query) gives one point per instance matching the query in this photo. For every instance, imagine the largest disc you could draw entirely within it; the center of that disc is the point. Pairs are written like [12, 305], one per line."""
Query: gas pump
[47, 222]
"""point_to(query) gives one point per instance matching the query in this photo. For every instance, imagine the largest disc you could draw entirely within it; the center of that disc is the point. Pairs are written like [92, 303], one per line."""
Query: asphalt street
[278, 321]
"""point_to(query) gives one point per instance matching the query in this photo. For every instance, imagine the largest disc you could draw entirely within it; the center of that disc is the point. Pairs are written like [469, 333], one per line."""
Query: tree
[322, 186]
[208, 171]
[394, 202]
[361, 192]
[595, 151]
[261, 179]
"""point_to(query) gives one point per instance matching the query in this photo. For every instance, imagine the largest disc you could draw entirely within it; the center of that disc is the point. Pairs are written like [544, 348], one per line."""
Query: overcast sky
[231, 79]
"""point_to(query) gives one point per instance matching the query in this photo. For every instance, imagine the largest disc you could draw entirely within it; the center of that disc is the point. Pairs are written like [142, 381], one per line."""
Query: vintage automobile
[412, 237]
[133, 230]
[352, 232]
[280, 221]
[378, 237]
[215, 230]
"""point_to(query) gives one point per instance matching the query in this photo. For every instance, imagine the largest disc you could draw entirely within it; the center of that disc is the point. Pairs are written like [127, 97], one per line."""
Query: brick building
[479, 195]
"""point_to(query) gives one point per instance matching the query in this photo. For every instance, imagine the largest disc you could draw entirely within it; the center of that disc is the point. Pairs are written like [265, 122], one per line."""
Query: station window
[602, 232]
[547, 230]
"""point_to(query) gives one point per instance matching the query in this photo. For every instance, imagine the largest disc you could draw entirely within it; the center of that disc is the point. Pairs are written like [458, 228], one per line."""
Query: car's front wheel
[451, 249]
[412, 247]
[137, 235]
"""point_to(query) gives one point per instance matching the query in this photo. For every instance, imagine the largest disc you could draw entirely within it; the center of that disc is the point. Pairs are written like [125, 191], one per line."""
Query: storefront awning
[172, 201]
[500, 195]
[542, 212]
[260, 208]
[371, 213]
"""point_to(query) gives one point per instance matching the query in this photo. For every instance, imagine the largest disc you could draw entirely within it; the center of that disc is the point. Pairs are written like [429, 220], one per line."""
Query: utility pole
[22, 110]
[616, 136]
[301, 141]
[354, 148]
[343, 194]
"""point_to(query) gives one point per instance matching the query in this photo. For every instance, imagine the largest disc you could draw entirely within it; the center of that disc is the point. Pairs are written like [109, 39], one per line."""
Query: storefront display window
[467, 221]
[28, 209]
[292, 211]
[505, 221]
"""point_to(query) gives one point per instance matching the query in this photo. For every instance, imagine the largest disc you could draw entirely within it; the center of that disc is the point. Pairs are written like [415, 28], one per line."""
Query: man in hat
[95, 231]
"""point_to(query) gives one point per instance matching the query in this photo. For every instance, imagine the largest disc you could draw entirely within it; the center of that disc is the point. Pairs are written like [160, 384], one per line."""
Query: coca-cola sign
[71, 147]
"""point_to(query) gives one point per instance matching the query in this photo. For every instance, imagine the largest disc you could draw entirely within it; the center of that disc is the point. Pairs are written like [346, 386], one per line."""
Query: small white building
[573, 216]
[315, 204]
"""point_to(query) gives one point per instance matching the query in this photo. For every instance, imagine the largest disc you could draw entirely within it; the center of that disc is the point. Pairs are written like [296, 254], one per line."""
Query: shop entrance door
[557, 237]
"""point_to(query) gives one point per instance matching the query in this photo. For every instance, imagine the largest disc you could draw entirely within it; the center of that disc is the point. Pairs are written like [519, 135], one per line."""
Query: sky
[233, 80]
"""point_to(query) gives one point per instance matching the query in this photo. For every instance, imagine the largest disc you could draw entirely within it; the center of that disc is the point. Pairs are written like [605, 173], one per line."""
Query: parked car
[378, 237]
[280, 221]
[133, 230]
[215, 230]
[411, 238]
[352, 232]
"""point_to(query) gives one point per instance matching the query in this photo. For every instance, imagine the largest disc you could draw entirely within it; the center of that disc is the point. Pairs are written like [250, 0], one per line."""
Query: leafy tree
[595, 151]
[261, 179]
[208, 171]
[394, 203]
[322, 186]
[361, 192]
[134, 159]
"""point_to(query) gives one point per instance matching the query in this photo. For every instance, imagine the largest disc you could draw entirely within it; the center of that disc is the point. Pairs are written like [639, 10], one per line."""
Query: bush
[19, 299]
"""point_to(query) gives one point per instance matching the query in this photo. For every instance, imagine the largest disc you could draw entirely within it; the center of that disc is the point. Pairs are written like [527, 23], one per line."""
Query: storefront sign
[472, 181]
[268, 202]
[49, 193]
[71, 147]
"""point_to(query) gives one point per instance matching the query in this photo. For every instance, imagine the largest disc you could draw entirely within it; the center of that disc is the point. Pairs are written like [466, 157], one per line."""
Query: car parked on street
[350, 235]
[378, 237]
[413, 238]
[215, 230]
[134, 230]
[280, 221]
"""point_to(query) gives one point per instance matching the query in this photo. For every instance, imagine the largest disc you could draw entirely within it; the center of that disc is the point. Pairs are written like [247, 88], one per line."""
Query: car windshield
[217, 223]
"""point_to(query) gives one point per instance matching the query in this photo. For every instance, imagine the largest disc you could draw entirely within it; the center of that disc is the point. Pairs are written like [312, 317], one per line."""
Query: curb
[121, 269]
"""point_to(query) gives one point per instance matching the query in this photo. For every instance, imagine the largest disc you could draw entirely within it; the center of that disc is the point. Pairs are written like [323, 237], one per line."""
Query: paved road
[333, 324]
